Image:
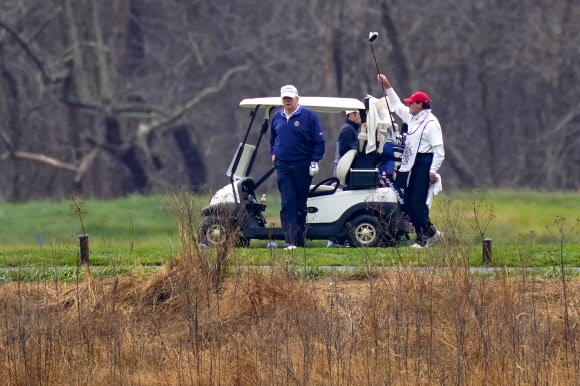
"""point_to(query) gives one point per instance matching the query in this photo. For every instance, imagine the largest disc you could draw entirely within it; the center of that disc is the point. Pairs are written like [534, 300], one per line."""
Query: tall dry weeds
[190, 324]
[272, 327]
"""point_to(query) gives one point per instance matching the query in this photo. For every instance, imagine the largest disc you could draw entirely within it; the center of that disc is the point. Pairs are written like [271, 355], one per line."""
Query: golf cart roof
[318, 104]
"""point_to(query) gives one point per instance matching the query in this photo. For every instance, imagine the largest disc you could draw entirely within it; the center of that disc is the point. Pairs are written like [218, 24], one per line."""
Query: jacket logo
[296, 123]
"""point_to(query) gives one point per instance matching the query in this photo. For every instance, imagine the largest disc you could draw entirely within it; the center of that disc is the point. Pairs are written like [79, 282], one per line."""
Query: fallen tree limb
[42, 159]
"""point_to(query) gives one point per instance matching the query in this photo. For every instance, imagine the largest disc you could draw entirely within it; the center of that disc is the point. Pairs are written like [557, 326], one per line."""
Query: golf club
[372, 37]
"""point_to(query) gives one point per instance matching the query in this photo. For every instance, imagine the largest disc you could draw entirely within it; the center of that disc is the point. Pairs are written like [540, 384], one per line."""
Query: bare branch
[133, 110]
[42, 159]
[195, 100]
[561, 124]
[25, 46]
[86, 163]
[41, 27]
[53, 162]
[66, 99]
[6, 140]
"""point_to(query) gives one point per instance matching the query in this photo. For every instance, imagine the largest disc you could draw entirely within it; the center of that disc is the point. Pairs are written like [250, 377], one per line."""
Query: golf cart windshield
[244, 156]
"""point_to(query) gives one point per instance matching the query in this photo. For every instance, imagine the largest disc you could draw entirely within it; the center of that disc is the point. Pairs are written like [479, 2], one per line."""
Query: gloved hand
[313, 168]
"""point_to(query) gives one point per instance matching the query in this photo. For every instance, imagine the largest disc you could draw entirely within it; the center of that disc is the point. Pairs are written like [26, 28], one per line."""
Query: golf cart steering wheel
[331, 182]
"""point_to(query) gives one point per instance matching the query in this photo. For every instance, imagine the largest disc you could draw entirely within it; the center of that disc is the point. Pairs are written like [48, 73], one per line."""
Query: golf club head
[373, 36]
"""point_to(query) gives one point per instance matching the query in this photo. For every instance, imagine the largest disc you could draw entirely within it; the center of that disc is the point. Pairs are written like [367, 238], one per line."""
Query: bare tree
[135, 95]
[109, 124]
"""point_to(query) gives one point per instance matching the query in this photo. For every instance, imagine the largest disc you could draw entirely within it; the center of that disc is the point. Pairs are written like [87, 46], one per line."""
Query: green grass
[528, 228]
[513, 255]
[115, 223]
[143, 221]
[99, 256]
[518, 213]
[538, 255]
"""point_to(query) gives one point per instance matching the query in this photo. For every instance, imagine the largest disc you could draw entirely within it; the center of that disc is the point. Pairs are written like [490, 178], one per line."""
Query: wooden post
[487, 251]
[84, 245]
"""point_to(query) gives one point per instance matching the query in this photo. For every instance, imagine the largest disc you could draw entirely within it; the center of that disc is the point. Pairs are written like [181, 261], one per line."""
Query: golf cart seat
[363, 137]
[343, 166]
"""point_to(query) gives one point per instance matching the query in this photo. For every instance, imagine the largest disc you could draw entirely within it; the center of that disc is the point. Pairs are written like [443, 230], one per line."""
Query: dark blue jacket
[298, 139]
[347, 139]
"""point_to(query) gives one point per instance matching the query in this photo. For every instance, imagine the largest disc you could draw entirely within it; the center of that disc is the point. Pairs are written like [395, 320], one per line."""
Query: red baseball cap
[419, 96]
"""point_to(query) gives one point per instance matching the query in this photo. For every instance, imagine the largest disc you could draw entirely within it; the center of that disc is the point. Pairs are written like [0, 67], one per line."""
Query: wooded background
[113, 97]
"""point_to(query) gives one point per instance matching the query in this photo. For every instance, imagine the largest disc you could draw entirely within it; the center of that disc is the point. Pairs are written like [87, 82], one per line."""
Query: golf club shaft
[376, 64]
[383, 87]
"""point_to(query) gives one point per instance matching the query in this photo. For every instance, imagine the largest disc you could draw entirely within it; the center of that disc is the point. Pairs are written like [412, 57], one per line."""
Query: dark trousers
[416, 197]
[294, 184]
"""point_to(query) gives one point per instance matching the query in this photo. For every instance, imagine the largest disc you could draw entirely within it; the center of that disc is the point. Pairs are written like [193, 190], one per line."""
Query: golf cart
[352, 209]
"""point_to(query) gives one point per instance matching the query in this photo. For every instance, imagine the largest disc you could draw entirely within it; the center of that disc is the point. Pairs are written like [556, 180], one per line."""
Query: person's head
[289, 95]
[418, 102]
[353, 115]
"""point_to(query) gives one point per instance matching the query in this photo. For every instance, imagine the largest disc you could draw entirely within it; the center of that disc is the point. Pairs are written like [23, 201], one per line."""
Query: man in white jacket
[422, 157]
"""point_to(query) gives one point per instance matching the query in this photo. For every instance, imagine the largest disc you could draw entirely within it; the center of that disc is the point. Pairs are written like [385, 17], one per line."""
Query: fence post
[84, 245]
[487, 251]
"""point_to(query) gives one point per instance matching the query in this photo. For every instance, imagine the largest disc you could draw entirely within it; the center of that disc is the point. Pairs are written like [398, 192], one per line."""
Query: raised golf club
[372, 37]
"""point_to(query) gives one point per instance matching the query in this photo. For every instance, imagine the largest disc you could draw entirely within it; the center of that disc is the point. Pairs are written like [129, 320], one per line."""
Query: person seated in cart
[377, 144]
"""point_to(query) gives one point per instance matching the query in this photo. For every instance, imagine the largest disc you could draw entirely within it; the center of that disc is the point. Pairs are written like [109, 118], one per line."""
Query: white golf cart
[350, 209]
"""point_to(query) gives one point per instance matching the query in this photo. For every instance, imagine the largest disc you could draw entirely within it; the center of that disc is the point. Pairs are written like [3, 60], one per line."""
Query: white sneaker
[437, 238]
[289, 247]
[416, 245]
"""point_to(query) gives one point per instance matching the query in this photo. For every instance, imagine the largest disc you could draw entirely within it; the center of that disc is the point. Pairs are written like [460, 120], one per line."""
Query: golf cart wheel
[363, 231]
[216, 232]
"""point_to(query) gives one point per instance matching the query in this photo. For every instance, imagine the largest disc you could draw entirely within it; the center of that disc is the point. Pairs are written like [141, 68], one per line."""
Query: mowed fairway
[517, 213]
[141, 230]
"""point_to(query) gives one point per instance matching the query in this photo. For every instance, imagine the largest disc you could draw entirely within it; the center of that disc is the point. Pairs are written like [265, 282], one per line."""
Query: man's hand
[433, 178]
[384, 81]
[313, 168]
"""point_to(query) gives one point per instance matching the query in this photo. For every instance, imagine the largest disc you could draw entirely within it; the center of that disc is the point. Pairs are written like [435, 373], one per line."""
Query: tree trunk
[194, 165]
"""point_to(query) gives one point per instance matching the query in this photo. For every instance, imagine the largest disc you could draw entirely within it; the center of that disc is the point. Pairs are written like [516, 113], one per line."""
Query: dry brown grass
[202, 321]
[274, 327]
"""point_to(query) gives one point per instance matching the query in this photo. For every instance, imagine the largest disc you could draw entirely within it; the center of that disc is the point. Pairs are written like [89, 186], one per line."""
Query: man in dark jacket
[296, 147]
[347, 136]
